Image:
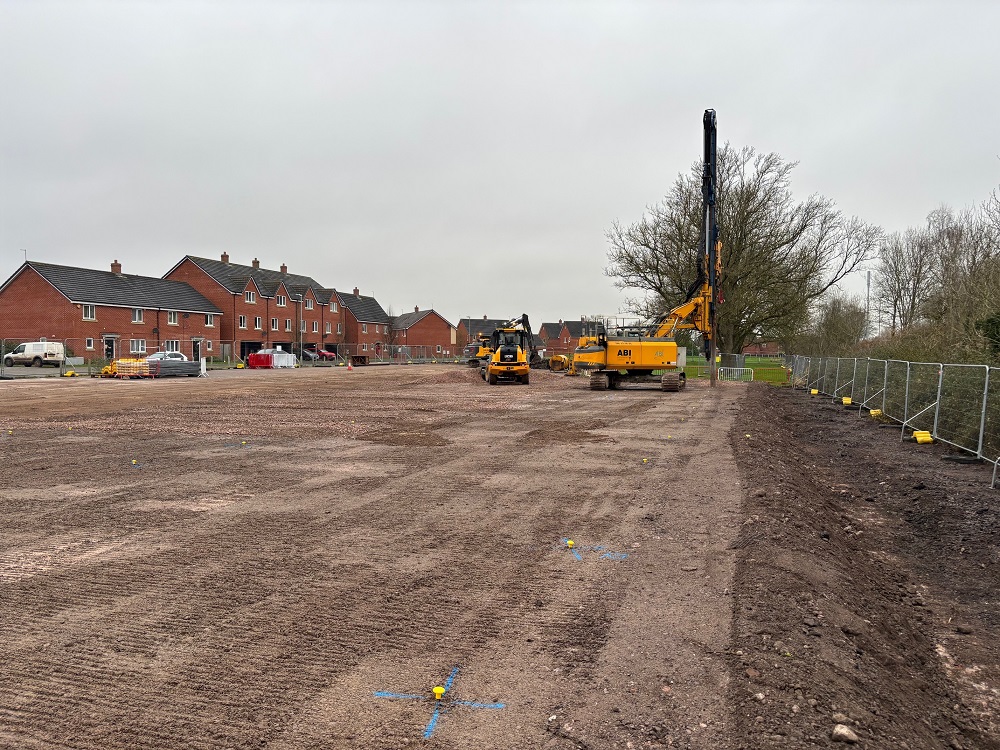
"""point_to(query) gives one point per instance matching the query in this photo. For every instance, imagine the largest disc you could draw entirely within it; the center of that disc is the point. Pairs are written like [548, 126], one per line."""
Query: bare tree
[779, 255]
[903, 278]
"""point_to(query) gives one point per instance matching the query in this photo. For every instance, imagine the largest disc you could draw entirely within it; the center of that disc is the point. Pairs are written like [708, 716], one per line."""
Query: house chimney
[356, 292]
[284, 268]
[416, 309]
[116, 267]
[256, 263]
[485, 318]
[560, 321]
[225, 257]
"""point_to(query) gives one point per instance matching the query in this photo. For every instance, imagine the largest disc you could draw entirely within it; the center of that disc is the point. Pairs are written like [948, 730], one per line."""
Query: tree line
[934, 291]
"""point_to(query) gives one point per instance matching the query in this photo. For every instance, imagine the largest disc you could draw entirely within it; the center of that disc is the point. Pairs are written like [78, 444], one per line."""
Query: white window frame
[209, 320]
[274, 324]
[333, 307]
[309, 304]
[315, 326]
[281, 300]
[438, 349]
[208, 345]
[302, 326]
[376, 328]
[250, 297]
[172, 346]
[137, 316]
[364, 328]
[329, 327]
[90, 312]
[172, 317]
[364, 347]
[340, 328]
[243, 322]
[288, 324]
[137, 346]
[258, 323]
[89, 344]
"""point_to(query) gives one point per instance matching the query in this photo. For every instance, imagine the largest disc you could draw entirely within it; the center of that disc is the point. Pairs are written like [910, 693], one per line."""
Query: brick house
[548, 337]
[569, 335]
[424, 329]
[470, 328]
[263, 308]
[365, 325]
[107, 314]
[763, 349]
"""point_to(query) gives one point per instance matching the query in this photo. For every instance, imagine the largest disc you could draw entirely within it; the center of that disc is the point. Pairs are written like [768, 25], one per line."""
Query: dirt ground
[295, 559]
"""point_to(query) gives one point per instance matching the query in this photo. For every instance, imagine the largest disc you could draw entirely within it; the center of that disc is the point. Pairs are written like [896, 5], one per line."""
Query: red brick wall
[430, 331]
[31, 308]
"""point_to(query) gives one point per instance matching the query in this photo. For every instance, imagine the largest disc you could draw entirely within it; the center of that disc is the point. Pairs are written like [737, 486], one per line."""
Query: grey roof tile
[87, 285]
[365, 309]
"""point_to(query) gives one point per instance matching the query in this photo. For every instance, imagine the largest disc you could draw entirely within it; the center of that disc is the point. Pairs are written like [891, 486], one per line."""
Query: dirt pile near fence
[866, 584]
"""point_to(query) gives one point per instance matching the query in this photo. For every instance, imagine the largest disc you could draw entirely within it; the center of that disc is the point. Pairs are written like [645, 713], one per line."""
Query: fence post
[906, 403]
[885, 385]
[982, 418]
[937, 406]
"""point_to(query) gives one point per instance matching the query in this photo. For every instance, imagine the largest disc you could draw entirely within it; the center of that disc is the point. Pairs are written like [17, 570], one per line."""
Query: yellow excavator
[478, 351]
[512, 352]
[647, 352]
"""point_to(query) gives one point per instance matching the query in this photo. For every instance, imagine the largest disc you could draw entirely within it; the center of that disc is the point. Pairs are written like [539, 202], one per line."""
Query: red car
[326, 356]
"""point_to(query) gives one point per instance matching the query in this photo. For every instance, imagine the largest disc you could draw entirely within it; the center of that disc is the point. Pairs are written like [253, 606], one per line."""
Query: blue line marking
[383, 694]
[473, 704]
[576, 555]
[451, 679]
[615, 555]
[430, 727]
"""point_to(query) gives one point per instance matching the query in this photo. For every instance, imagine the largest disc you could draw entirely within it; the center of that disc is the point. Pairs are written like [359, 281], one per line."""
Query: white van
[36, 354]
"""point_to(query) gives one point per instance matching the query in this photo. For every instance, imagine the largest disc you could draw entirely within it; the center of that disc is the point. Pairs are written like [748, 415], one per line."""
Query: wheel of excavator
[492, 379]
[671, 382]
[524, 378]
[599, 381]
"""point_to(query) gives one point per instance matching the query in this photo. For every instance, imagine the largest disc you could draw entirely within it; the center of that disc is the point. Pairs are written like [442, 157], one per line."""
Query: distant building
[426, 331]
[107, 314]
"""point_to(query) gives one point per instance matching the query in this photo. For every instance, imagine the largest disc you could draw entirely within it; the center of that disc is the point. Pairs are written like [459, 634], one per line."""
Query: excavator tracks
[598, 381]
[672, 382]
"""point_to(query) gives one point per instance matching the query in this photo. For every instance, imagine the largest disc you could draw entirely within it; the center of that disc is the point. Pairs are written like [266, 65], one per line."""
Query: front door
[196, 350]
[109, 348]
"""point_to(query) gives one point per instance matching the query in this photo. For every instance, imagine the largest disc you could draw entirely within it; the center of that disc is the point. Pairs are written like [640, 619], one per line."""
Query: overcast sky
[464, 155]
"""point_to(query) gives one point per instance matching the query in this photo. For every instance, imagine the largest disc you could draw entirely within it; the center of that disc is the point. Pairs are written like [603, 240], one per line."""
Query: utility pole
[712, 244]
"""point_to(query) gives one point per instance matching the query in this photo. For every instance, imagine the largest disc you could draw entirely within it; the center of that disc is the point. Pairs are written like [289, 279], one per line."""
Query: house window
[209, 320]
[208, 345]
[90, 343]
[258, 323]
[137, 346]
[329, 327]
[274, 324]
[281, 300]
[438, 350]
[171, 346]
[364, 328]
[171, 317]
[137, 315]
[376, 328]
[243, 321]
[333, 307]
[340, 327]
[302, 326]
[364, 347]
[288, 324]
[309, 304]
[315, 326]
[250, 297]
[89, 313]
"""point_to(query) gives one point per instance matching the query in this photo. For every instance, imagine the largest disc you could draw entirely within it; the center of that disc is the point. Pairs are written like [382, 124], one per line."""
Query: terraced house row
[205, 308]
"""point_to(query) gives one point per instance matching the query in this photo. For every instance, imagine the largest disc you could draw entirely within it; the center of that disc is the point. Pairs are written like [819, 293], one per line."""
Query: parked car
[36, 354]
[327, 356]
[309, 354]
[167, 355]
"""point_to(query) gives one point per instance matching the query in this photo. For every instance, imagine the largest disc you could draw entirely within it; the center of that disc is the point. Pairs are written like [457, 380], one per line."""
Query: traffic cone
[349, 366]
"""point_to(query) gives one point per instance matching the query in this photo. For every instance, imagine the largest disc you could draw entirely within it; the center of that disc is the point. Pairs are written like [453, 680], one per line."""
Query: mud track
[293, 560]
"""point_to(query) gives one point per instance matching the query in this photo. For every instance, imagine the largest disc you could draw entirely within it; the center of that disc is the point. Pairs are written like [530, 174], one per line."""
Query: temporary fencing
[958, 404]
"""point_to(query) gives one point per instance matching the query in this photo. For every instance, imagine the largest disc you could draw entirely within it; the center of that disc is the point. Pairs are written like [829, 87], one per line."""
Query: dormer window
[309, 304]
[250, 296]
[281, 300]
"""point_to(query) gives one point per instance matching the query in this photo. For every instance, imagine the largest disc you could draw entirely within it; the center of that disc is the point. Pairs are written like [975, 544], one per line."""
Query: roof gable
[364, 309]
[408, 320]
[234, 277]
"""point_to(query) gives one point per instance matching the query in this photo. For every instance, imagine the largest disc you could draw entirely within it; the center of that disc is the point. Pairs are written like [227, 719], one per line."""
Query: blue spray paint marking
[599, 549]
[433, 723]
[614, 555]
[440, 706]
[242, 444]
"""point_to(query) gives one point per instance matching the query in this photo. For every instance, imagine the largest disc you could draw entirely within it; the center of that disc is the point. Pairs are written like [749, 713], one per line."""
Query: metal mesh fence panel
[895, 390]
[922, 395]
[991, 432]
[960, 409]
